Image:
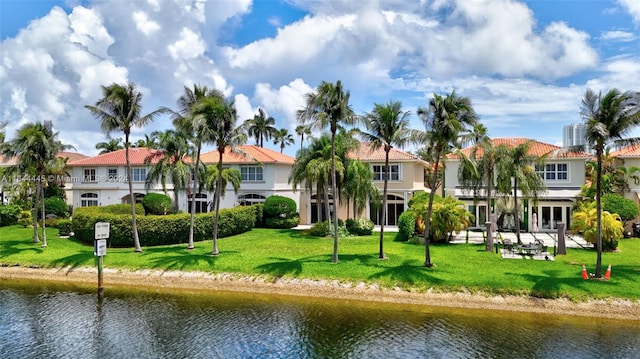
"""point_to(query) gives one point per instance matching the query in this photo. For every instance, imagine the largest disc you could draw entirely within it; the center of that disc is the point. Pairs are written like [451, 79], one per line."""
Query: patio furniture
[508, 246]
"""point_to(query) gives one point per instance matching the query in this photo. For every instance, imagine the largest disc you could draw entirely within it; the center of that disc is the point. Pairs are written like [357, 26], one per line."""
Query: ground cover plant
[286, 253]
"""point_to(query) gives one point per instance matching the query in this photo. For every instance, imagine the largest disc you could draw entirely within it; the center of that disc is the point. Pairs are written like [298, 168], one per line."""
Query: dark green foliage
[9, 214]
[25, 218]
[279, 206]
[418, 197]
[283, 223]
[615, 203]
[57, 206]
[51, 222]
[156, 203]
[359, 226]
[162, 230]
[259, 209]
[321, 229]
[64, 227]
[122, 208]
[406, 225]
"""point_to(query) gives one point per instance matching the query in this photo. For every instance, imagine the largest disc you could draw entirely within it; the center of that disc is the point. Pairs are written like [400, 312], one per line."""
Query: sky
[525, 65]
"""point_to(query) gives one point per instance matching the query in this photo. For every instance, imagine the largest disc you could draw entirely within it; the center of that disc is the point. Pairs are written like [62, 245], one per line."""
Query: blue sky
[523, 64]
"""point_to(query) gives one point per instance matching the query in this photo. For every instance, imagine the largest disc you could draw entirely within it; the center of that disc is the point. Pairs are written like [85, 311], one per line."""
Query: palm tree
[387, 126]
[112, 144]
[302, 130]
[171, 161]
[283, 137]
[35, 146]
[516, 171]
[149, 141]
[608, 118]
[358, 186]
[120, 110]
[218, 116]
[197, 133]
[445, 120]
[261, 127]
[229, 175]
[328, 106]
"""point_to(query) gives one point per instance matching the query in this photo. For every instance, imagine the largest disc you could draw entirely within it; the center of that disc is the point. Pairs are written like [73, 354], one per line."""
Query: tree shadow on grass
[552, 283]
[75, 260]
[282, 266]
[180, 260]
[409, 272]
[10, 247]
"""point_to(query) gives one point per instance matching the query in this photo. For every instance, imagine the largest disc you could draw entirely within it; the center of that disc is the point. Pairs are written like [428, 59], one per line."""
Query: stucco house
[406, 176]
[563, 174]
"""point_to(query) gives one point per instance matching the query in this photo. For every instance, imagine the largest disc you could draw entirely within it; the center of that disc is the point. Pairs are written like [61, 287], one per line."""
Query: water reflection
[63, 322]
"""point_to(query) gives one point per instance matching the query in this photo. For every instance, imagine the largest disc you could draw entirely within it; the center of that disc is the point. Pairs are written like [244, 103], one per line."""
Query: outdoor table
[529, 249]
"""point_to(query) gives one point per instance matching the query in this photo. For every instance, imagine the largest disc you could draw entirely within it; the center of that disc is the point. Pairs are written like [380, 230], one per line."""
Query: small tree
[625, 208]
[584, 220]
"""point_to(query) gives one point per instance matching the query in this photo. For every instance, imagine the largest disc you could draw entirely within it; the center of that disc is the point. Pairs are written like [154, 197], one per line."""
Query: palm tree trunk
[134, 225]
[427, 221]
[36, 202]
[193, 198]
[515, 209]
[383, 220]
[216, 199]
[44, 233]
[327, 208]
[599, 215]
[334, 186]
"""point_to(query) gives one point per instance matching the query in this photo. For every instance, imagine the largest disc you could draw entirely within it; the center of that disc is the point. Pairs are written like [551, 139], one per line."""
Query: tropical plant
[585, 220]
[446, 119]
[218, 116]
[608, 118]
[283, 138]
[358, 186]
[111, 145]
[261, 127]
[516, 171]
[148, 141]
[120, 110]
[624, 207]
[229, 175]
[328, 106]
[302, 130]
[448, 215]
[386, 126]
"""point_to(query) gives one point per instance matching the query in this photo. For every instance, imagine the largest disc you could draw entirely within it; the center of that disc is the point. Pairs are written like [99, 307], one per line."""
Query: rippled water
[67, 322]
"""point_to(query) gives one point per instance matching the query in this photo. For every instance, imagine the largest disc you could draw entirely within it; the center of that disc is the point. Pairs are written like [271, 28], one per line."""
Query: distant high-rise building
[573, 135]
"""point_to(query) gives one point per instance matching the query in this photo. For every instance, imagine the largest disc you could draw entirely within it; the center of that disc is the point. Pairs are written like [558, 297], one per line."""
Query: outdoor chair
[508, 246]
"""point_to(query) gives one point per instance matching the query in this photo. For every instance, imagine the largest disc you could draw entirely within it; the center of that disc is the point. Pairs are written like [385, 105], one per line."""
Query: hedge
[279, 206]
[162, 230]
[156, 203]
[9, 214]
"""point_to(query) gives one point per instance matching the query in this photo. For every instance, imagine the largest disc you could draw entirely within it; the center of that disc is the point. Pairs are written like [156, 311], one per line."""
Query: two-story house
[406, 176]
[563, 174]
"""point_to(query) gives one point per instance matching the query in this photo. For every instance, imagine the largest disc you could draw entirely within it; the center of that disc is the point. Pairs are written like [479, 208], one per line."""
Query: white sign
[101, 230]
[100, 247]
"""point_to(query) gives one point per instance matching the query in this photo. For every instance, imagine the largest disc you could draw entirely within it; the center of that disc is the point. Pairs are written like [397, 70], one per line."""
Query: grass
[292, 254]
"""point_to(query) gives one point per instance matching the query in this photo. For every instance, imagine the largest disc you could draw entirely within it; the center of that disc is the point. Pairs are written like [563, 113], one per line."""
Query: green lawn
[292, 254]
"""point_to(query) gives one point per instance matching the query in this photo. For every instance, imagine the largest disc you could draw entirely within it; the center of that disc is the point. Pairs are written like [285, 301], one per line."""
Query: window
[394, 172]
[112, 174]
[553, 171]
[89, 175]
[250, 199]
[251, 173]
[88, 199]
[139, 174]
[201, 202]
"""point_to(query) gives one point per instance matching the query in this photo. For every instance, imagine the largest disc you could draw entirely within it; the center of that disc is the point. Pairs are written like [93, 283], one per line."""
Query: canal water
[62, 321]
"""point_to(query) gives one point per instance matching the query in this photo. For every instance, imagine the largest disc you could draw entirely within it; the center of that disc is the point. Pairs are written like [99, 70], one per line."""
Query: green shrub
[406, 225]
[279, 206]
[9, 214]
[284, 223]
[624, 207]
[162, 230]
[359, 226]
[51, 222]
[156, 203]
[64, 227]
[259, 209]
[320, 229]
[57, 206]
[120, 208]
[25, 219]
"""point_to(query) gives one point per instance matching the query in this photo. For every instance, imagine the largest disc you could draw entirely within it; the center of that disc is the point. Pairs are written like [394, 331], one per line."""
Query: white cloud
[143, 23]
[617, 35]
[189, 46]
[285, 100]
[633, 7]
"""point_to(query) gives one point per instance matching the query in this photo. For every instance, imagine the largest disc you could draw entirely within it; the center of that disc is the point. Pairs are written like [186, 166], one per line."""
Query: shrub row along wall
[161, 230]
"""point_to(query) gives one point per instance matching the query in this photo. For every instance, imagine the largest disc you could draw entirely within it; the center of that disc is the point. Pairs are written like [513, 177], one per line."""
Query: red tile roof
[627, 152]
[72, 156]
[8, 161]
[367, 154]
[537, 148]
[252, 154]
[137, 155]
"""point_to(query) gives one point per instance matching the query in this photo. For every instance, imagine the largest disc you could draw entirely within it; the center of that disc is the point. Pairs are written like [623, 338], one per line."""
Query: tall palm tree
[111, 145]
[261, 127]
[283, 138]
[149, 141]
[120, 110]
[445, 120]
[229, 175]
[218, 116]
[516, 171]
[387, 126]
[358, 186]
[608, 118]
[302, 130]
[172, 160]
[186, 121]
[328, 106]
[35, 146]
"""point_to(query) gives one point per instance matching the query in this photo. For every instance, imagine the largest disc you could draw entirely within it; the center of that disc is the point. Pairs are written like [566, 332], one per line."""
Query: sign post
[101, 230]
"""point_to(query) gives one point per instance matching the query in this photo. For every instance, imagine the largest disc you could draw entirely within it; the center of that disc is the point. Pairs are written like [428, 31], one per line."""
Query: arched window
[201, 202]
[88, 199]
[250, 199]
